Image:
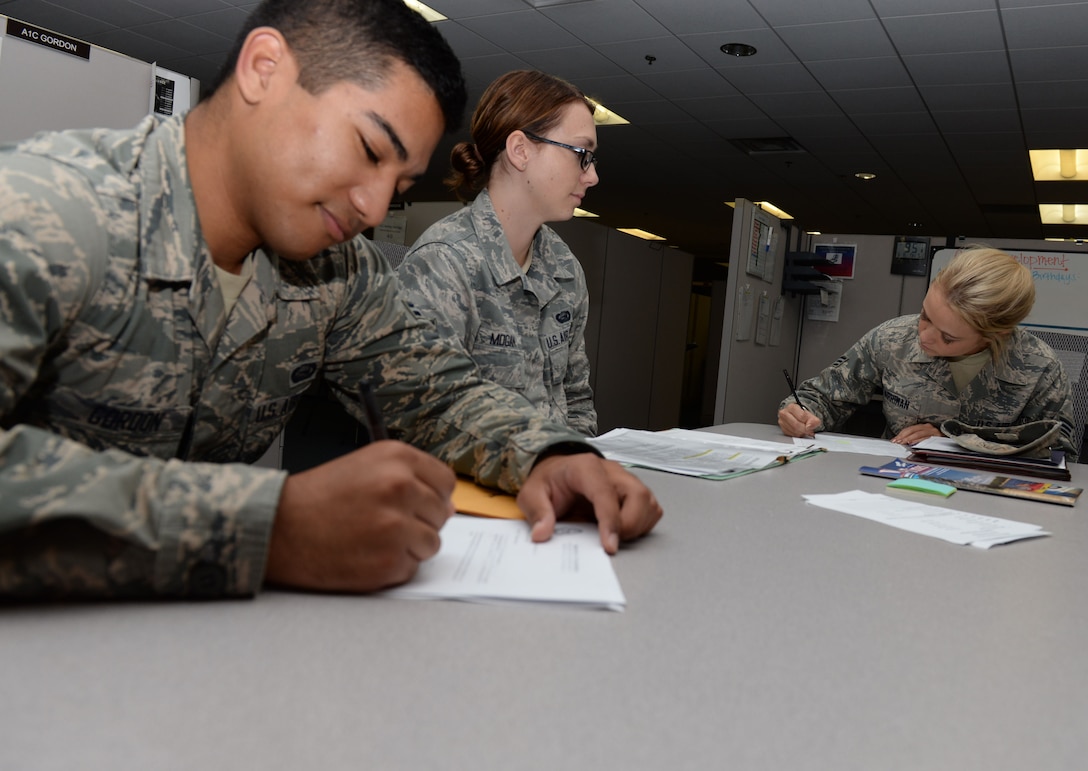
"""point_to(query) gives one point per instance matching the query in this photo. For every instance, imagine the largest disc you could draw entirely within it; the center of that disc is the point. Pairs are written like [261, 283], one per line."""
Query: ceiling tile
[574, 64]
[854, 73]
[770, 79]
[840, 40]
[958, 68]
[606, 21]
[971, 97]
[668, 55]
[688, 84]
[1054, 64]
[1051, 27]
[682, 18]
[769, 48]
[946, 33]
[783, 12]
[520, 31]
[464, 42]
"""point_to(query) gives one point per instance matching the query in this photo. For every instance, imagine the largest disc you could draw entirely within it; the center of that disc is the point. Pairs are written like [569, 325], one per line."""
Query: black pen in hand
[793, 390]
[373, 414]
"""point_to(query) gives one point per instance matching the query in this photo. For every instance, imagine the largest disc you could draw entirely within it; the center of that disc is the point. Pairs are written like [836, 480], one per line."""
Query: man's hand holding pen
[795, 419]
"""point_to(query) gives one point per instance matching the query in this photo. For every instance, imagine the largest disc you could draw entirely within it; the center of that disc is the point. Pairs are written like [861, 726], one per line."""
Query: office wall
[44, 89]
[748, 383]
[873, 296]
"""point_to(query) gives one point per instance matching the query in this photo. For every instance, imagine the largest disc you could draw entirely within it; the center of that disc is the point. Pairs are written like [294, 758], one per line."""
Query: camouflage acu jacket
[130, 402]
[1029, 385]
[525, 330]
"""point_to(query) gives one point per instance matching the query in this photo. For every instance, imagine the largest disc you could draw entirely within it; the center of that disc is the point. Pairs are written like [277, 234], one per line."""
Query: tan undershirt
[964, 368]
[231, 285]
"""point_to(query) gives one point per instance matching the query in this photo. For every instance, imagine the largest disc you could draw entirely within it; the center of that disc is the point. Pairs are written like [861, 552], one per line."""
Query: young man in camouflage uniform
[167, 292]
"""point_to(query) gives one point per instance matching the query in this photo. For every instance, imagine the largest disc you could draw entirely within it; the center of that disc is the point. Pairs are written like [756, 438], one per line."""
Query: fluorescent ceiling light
[767, 206]
[643, 234]
[428, 13]
[770, 208]
[584, 213]
[1063, 213]
[602, 116]
[1059, 165]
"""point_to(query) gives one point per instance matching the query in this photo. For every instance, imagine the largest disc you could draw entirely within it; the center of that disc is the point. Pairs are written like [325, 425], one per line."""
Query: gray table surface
[760, 633]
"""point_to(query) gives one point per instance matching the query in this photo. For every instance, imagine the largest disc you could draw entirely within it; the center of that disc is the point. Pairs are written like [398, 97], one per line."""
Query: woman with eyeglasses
[964, 357]
[492, 274]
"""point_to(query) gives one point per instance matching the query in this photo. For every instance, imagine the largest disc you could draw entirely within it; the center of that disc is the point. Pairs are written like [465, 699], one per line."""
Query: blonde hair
[990, 290]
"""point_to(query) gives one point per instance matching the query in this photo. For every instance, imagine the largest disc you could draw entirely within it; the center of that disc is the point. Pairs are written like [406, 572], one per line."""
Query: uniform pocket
[116, 425]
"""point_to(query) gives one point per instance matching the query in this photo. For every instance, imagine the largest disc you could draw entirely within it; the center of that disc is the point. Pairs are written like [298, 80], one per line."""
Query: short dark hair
[357, 41]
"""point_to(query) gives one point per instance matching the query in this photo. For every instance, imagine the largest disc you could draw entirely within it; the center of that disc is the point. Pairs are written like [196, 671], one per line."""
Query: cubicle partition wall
[46, 88]
[754, 325]
[639, 292]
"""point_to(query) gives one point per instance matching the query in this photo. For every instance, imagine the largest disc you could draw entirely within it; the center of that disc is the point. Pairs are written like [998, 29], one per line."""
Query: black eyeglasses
[585, 157]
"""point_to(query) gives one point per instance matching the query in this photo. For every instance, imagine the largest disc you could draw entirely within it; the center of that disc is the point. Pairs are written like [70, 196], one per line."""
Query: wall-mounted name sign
[44, 37]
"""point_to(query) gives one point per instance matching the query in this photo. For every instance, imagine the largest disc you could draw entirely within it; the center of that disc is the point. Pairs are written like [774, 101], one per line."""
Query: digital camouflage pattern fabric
[1029, 385]
[131, 402]
[525, 329]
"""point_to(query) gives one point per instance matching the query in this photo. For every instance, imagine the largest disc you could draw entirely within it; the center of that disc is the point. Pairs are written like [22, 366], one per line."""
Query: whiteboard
[1061, 287]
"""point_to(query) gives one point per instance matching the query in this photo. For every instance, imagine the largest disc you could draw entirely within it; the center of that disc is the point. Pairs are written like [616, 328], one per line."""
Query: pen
[789, 382]
[373, 414]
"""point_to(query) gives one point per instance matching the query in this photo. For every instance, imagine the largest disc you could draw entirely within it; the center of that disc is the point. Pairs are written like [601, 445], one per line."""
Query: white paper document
[695, 453]
[486, 560]
[958, 527]
[860, 444]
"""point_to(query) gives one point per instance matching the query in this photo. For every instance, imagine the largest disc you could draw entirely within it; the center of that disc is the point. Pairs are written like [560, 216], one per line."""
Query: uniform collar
[172, 246]
[504, 267]
[998, 369]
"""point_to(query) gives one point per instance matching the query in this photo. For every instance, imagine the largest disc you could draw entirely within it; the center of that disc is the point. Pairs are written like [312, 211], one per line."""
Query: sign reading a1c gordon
[44, 37]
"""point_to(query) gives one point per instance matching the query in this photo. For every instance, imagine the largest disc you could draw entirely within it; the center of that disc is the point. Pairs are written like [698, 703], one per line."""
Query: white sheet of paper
[485, 560]
[947, 524]
[939, 443]
[846, 443]
[695, 453]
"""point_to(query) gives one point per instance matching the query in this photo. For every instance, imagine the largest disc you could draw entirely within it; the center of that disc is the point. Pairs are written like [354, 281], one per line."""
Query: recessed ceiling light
[428, 13]
[770, 208]
[1059, 165]
[767, 206]
[866, 175]
[584, 213]
[640, 233]
[602, 116]
[738, 49]
[1063, 213]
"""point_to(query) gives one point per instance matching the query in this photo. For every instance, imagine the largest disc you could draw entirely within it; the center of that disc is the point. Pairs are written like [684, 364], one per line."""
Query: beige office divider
[748, 383]
[639, 293]
[45, 89]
